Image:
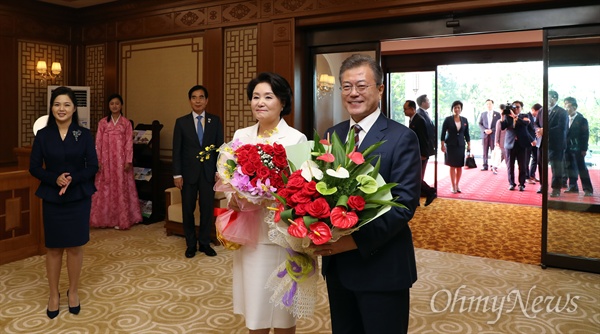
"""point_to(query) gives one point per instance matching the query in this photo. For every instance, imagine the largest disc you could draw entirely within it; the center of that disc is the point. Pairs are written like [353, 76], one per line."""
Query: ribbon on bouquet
[299, 267]
[235, 229]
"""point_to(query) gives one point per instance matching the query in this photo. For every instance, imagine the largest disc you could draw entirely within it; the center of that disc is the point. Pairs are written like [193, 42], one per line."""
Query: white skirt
[251, 270]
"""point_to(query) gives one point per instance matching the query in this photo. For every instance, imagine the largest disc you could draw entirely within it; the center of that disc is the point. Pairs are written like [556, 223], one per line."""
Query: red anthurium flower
[342, 218]
[356, 157]
[327, 157]
[324, 142]
[320, 233]
[280, 209]
[297, 228]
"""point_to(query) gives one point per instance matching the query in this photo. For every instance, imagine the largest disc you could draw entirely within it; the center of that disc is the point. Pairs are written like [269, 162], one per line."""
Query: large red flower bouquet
[335, 191]
[250, 174]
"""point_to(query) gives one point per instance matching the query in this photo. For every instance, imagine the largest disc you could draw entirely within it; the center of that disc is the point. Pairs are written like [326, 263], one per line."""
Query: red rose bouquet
[250, 174]
[335, 191]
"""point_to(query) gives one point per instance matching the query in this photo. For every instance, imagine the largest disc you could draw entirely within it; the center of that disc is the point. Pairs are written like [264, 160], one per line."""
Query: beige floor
[138, 281]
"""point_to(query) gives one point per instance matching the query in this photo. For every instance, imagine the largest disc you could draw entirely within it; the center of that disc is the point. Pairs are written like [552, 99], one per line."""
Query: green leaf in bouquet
[308, 220]
[280, 198]
[367, 184]
[386, 203]
[342, 201]
[324, 190]
[287, 215]
[375, 172]
[382, 192]
[367, 152]
[338, 149]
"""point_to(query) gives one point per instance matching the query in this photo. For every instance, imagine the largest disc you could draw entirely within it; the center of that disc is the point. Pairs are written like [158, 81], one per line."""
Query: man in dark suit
[369, 273]
[487, 124]
[557, 140]
[424, 104]
[192, 134]
[418, 125]
[520, 136]
[578, 135]
[535, 163]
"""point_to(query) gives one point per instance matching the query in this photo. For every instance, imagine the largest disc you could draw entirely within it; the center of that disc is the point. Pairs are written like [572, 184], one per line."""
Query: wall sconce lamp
[42, 70]
[325, 85]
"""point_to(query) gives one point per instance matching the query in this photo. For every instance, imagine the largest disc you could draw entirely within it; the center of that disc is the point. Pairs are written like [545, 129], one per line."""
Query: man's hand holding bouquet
[249, 174]
[335, 191]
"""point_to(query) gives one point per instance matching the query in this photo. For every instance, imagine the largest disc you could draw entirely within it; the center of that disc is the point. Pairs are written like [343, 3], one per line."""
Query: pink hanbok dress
[116, 202]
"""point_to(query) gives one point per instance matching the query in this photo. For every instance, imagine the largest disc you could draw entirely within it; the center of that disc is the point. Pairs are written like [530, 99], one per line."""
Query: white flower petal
[340, 173]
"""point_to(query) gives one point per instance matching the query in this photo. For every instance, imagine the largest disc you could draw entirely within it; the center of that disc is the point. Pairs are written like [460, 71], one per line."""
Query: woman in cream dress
[270, 97]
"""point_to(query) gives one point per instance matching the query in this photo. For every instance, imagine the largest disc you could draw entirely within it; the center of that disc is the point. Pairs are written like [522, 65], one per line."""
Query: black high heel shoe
[53, 314]
[74, 309]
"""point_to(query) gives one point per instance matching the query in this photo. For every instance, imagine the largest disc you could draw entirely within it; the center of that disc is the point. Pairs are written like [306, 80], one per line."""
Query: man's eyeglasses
[347, 88]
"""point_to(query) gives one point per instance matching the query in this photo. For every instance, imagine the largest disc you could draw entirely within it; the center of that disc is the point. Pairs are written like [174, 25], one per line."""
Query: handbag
[470, 160]
[496, 156]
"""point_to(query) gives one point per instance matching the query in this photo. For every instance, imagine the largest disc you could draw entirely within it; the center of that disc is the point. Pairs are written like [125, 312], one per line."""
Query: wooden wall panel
[240, 67]
[33, 95]
[94, 78]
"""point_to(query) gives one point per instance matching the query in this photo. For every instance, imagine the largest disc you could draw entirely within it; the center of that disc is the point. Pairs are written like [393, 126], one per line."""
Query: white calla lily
[340, 173]
[310, 169]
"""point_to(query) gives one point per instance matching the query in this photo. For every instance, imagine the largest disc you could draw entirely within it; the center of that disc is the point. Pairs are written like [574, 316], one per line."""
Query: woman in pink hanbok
[116, 203]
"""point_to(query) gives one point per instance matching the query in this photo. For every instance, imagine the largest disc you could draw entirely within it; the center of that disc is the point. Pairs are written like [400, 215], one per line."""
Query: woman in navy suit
[63, 158]
[455, 132]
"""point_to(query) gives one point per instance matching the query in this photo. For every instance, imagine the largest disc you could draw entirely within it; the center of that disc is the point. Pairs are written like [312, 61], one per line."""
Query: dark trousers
[426, 189]
[366, 312]
[203, 191]
[556, 161]
[575, 165]
[488, 146]
[518, 154]
[534, 161]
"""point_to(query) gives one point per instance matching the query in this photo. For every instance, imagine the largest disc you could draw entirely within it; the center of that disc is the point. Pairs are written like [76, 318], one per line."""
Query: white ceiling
[77, 3]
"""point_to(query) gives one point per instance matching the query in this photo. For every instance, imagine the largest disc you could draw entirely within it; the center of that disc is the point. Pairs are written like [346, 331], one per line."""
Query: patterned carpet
[138, 281]
[503, 231]
[491, 230]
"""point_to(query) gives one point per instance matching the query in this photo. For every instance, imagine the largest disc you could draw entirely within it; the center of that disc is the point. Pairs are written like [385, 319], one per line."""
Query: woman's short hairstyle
[281, 88]
[456, 103]
[62, 90]
[108, 113]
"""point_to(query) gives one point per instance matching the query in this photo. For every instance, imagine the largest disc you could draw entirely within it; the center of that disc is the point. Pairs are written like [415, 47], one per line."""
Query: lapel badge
[209, 120]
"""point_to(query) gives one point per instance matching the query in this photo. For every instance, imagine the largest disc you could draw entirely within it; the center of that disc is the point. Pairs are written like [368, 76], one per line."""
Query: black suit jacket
[557, 130]
[417, 124]
[385, 258]
[186, 147]
[519, 133]
[430, 129]
[578, 134]
[51, 156]
[453, 137]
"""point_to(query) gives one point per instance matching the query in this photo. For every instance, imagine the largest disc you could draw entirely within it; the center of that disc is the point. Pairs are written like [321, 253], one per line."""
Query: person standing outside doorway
[487, 124]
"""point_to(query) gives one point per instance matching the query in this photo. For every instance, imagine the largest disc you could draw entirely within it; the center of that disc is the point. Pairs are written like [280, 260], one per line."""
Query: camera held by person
[507, 109]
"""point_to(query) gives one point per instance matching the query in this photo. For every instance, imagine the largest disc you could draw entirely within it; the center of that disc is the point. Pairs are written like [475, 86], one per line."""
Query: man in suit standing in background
[424, 105]
[578, 135]
[418, 125]
[557, 140]
[369, 273]
[192, 134]
[487, 124]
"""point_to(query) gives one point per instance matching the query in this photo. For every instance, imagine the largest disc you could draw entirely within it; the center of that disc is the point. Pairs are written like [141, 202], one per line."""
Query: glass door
[571, 145]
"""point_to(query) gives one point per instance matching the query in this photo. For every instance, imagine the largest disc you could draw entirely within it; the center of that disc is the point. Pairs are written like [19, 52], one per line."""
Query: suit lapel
[375, 134]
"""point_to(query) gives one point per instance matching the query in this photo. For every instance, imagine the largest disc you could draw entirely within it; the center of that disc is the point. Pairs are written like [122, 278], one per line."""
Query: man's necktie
[357, 130]
[199, 129]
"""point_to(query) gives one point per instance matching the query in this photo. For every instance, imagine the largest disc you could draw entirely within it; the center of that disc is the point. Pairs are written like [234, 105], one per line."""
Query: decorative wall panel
[240, 67]
[33, 98]
[155, 78]
[94, 78]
